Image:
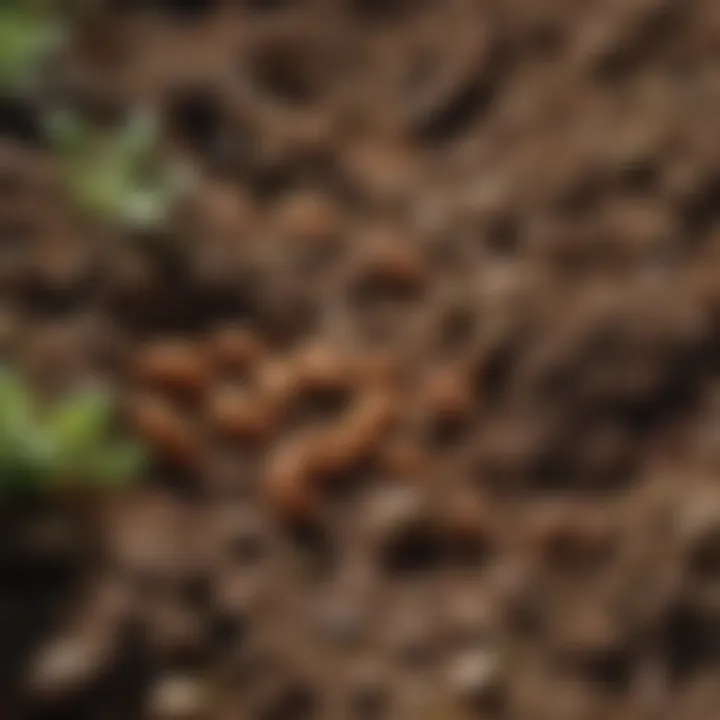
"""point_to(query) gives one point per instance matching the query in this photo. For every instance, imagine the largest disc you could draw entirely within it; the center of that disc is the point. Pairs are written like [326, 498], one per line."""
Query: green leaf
[81, 422]
[73, 442]
[119, 176]
[29, 32]
[143, 209]
[16, 404]
[26, 451]
[66, 131]
[139, 138]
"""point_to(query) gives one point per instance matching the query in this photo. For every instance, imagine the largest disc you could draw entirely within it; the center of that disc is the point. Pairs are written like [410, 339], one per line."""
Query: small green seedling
[30, 30]
[71, 444]
[119, 176]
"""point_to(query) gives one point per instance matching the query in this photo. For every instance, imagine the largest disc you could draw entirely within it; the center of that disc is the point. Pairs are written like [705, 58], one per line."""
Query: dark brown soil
[430, 363]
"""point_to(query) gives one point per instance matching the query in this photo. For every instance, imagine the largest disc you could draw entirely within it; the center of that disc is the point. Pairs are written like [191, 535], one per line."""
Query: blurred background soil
[430, 362]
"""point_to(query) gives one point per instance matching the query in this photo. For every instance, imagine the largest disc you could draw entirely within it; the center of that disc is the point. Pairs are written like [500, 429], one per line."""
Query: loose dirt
[429, 363]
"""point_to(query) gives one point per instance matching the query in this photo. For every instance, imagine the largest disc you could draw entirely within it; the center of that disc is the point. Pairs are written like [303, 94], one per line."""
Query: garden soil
[428, 362]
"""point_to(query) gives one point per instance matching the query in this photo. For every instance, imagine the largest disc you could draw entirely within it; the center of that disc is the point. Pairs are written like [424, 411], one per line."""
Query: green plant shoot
[29, 33]
[73, 443]
[119, 176]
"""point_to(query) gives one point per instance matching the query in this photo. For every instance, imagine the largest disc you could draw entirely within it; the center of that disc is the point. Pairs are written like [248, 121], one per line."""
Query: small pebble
[699, 533]
[476, 679]
[178, 698]
[402, 530]
[67, 666]
[393, 507]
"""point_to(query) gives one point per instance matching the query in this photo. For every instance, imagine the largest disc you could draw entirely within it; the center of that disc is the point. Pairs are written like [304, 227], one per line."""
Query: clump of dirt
[428, 363]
